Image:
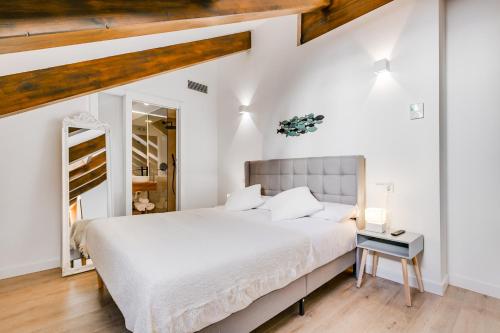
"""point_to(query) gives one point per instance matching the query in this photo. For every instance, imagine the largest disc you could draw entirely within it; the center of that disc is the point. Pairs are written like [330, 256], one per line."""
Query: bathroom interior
[154, 155]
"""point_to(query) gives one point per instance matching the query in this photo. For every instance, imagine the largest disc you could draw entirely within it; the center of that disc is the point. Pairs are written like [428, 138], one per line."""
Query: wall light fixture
[381, 66]
[243, 109]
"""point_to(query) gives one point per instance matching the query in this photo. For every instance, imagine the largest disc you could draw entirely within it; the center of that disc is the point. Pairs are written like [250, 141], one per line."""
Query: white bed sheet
[329, 239]
[182, 271]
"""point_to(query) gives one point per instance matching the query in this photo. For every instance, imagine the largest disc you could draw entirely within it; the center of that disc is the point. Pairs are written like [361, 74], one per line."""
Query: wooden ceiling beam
[24, 91]
[87, 148]
[339, 12]
[87, 187]
[87, 178]
[32, 24]
[94, 163]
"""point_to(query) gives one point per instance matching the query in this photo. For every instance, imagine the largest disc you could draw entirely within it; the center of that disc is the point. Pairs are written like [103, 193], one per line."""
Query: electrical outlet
[416, 111]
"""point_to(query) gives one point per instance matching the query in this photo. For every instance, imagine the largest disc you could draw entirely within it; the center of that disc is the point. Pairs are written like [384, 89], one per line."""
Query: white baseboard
[438, 288]
[12, 271]
[474, 285]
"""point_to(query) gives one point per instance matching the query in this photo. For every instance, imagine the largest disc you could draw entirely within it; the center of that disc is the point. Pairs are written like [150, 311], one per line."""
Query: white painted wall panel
[473, 144]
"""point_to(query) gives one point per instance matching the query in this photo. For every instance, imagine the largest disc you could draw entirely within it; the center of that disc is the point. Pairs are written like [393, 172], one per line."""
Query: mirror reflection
[87, 187]
[154, 153]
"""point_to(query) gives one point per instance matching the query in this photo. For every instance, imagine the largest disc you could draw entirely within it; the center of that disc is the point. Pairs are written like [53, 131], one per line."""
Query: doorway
[153, 159]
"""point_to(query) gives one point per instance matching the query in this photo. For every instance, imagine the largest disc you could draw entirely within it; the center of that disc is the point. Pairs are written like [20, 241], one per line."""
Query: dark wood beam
[339, 12]
[94, 163]
[139, 158]
[32, 24]
[87, 187]
[25, 91]
[86, 148]
[87, 178]
[160, 126]
[139, 146]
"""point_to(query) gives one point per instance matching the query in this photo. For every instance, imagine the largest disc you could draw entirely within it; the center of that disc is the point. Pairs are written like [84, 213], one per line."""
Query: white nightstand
[406, 247]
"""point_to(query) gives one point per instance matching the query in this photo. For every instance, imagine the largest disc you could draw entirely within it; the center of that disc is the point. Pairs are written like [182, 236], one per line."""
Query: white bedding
[77, 237]
[182, 271]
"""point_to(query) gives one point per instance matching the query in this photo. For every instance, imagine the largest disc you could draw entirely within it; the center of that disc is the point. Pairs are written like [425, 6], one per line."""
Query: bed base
[302, 309]
[268, 306]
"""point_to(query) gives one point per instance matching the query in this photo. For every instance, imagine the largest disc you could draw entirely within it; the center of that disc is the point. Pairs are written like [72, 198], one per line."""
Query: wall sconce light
[244, 109]
[381, 66]
[375, 215]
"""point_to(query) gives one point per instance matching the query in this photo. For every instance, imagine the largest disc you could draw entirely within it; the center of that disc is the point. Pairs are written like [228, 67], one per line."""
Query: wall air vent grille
[198, 87]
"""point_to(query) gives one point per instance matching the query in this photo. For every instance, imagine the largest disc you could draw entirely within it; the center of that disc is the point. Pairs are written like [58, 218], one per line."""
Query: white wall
[30, 172]
[30, 196]
[111, 112]
[365, 114]
[198, 130]
[473, 138]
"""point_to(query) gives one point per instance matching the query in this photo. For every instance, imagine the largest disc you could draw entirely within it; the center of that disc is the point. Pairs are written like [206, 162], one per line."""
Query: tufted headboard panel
[333, 178]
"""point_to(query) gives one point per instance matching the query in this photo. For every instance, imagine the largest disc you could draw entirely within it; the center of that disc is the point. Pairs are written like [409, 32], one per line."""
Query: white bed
[217, 271]
[183, 271]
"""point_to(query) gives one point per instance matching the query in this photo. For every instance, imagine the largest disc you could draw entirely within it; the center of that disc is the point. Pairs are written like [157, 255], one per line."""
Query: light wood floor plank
[44, 302]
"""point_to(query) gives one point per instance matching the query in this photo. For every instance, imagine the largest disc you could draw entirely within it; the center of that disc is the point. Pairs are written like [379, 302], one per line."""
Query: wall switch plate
[389, 187]
[417, 111]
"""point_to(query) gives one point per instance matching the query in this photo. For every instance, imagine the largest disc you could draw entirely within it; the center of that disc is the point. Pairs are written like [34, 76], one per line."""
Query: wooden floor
[45, 302]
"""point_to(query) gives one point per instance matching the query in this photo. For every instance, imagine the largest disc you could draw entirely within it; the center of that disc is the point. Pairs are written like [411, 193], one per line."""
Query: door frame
[129, 97]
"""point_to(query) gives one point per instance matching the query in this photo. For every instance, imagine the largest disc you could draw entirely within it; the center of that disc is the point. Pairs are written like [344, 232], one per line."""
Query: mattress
[183, 271]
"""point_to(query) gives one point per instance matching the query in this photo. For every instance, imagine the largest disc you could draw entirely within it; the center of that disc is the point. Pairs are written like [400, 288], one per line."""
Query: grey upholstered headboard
[332, 178]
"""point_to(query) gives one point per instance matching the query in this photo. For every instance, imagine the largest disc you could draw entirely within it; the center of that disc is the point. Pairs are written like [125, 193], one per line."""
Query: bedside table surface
[407, 237]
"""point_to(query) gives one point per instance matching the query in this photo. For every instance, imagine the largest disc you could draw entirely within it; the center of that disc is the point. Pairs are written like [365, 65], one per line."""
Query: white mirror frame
[87, 121]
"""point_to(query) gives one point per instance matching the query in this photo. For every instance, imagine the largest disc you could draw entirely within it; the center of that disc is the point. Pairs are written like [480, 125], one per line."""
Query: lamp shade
[376, 215]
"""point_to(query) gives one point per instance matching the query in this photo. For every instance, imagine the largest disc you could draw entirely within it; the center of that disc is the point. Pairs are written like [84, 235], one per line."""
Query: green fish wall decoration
[300, 125]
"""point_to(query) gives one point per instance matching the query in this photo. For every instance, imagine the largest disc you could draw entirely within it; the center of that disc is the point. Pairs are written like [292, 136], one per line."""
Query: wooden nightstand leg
[418, 273]
[406, 286]
[374, 263]
[362, 267]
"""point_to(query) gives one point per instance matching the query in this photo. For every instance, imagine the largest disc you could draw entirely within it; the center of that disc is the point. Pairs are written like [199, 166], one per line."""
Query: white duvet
[183, 271]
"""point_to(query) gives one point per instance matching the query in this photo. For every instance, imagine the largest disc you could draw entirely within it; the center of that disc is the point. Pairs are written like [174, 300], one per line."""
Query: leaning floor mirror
[86, 180]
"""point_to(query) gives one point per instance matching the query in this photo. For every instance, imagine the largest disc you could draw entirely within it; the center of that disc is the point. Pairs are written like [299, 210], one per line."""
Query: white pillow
[264, 205]
[292, 204]
[336, 212]
[244, 199]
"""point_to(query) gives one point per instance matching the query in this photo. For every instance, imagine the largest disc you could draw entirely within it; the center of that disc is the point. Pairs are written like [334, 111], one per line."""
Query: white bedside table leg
[406, 286]
[418, 273]
[362, 267]
[374, 263]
